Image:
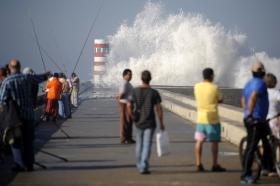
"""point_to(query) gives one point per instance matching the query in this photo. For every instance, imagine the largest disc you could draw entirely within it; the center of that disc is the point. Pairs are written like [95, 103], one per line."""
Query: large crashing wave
[176, 48]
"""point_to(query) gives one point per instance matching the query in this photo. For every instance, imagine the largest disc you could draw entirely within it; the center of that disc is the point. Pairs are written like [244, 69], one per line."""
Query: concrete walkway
[97, 158]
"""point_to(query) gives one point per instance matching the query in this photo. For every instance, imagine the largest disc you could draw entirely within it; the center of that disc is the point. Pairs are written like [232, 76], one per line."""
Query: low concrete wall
[231, 96]
[185, 107]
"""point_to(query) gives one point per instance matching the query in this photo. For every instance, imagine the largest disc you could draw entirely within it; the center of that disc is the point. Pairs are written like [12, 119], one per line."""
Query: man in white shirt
[274, 104]
[125, 120]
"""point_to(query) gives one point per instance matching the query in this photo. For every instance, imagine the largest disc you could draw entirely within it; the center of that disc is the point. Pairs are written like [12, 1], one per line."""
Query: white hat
[27, 70]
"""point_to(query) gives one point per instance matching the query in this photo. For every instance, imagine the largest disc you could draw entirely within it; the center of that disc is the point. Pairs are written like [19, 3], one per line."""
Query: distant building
[101, 50]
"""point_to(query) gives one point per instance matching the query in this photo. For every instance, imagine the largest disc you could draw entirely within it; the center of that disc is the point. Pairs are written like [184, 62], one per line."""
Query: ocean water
[89, 91]
[177, 47]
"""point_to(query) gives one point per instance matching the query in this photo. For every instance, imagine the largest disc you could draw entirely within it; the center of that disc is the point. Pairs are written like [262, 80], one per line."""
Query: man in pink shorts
[208, 126]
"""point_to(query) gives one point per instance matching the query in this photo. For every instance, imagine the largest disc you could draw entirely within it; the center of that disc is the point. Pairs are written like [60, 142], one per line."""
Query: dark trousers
[255, 133]
[27, 143]
[125, 124]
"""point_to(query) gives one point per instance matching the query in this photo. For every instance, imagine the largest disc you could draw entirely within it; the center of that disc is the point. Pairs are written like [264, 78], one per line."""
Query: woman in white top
[274, 104]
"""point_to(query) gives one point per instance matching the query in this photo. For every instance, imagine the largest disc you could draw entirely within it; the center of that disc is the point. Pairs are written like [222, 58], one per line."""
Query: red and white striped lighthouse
[101, 49]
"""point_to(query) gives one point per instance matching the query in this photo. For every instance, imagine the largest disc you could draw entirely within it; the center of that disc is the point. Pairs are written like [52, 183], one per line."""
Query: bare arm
[129, 108]
[243, 102]
[118, 97]
[121, 93]
[220, 97]
[38, 78]
[252, 102]
[160, 115]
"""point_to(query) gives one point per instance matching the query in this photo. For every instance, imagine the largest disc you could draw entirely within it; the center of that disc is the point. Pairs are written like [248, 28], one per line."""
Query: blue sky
[62, 26]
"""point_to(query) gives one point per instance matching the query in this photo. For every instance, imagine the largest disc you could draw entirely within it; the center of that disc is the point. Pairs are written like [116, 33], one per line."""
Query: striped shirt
[18, 87]
[145, 99]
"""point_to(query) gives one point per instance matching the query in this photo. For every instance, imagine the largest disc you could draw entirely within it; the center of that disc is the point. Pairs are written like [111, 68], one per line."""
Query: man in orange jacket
[54, 89]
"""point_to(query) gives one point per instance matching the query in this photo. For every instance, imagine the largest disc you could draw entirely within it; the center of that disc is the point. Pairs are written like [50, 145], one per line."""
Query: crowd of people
[62, 95]
[260, 102]
[18, 100]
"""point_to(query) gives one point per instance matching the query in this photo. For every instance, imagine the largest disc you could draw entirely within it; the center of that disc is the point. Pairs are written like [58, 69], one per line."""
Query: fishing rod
[38, 44]
[64, 67]
[44, 65]
[92, 25]
[51, 59]
[41, 49]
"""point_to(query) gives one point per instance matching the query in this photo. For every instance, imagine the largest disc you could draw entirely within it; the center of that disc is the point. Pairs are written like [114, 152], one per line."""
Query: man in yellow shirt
[208, 126]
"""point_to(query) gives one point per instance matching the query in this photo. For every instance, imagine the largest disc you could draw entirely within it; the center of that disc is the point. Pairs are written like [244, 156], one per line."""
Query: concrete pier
[96, 156]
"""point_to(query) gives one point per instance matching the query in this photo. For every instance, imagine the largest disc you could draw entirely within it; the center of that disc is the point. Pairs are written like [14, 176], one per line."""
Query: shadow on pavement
[87, 137]
[81, 146]
[91, 167]
[90, 161]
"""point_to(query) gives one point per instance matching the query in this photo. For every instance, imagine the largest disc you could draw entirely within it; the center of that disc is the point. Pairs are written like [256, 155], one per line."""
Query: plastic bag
[11, 134]
[163, 145]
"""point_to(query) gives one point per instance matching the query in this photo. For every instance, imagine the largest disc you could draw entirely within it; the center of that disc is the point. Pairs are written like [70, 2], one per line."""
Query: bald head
[258, 69]
[258, 66]
[14, 66]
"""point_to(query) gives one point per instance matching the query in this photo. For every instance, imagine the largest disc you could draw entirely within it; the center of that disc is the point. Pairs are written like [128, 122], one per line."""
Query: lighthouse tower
[101, 49]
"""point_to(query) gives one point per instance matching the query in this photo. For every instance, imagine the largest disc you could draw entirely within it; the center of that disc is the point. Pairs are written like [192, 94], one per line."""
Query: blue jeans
[64, 108]
[66, 103]
[144, 139]
[61, 109]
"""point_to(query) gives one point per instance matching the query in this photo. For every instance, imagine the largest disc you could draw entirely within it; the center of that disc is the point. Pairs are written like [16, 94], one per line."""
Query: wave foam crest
[176, 48]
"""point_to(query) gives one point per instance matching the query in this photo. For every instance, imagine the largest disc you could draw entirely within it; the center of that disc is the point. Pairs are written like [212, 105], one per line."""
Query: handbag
[163, 145]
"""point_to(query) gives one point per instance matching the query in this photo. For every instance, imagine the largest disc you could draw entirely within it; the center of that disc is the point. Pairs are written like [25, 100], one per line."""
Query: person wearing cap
[255, 105]
[54, 89]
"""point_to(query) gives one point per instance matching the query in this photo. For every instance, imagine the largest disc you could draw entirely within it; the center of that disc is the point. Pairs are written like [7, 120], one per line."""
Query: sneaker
[145, 172]
[18, 168]
[200, 168]
[272, 174]
[218, 168]
[264, 172]
[248, 180]
[131, 141]
[30, 169]
[54, 119]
